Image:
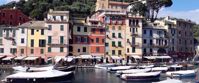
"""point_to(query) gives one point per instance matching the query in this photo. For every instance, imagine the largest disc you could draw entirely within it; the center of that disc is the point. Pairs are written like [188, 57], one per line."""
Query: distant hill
[37, 9]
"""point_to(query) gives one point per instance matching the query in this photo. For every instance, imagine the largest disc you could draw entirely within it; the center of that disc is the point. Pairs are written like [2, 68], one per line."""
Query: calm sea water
[99, 76]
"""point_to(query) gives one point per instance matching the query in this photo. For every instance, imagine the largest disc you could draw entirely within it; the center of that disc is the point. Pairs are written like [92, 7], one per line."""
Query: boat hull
[142, 78]
[64, 78]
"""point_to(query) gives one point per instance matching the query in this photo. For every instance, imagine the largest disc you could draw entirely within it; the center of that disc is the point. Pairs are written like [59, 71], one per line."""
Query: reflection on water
[99, 76]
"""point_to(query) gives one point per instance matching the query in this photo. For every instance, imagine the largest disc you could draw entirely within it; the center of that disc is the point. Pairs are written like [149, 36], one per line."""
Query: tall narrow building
[58, 33]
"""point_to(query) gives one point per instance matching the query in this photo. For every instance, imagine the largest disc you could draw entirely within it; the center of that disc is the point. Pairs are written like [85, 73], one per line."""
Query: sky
[186, 9]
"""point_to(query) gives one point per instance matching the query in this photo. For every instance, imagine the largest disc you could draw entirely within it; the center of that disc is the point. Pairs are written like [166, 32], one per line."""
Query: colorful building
[12, 17]
[58, 34]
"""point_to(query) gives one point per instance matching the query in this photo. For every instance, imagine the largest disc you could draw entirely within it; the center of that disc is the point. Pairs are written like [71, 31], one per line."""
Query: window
[144, 50]
[41, 51]
[85, 29]
[113, 27]
[49, 39]
[32, 51]
[113, 35]
[120, 28]
[78, 50]
[127, 50]
[70, 48]
[78, 29]
[106, 44]
[49, 49]
[97, 40]
[32, 43]
[61, 49]
[62, 18]
[113, 52]
[32, 31]
[120, 44]
[13, 50]
[119, 52]
[101, 31]
[119, 35]
[1, 33]
[22, 30]
[49, 27]
[151, 33]
[113, 43]
[42, 31]
[1, 50]
[151, 42]
[61, 27]
[1, 41]
[151, 50]
[145, 41]
[84, 49]
[22, 51]
[102, 40]
[42, 43]
[61, 39]
[97, 49]
[133, 49]
[22, 40]
[144, 31]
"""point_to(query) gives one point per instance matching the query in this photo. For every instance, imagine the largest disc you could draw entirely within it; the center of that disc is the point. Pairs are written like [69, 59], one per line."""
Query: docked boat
[105, 66]
[182, 73]
[141, 76]
[114, 69]
[20, 68]
[132, 71]
[162, 69]
[170, 81]
[40, 77]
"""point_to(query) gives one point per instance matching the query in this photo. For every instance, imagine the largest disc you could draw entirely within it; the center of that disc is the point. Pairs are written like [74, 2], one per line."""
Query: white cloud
[191, 14]
[7, 1]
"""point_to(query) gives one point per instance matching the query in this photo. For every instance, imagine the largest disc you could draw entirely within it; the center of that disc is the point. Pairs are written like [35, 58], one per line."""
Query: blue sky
[186, 9]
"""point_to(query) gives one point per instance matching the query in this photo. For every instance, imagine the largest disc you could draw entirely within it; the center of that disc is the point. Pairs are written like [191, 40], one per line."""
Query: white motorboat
[170, 81]
[114, 69]
[39, 77]
[105, 66]
[163, 69]
[182, 73]
[141, 76]
[132, 71]
[20, 68]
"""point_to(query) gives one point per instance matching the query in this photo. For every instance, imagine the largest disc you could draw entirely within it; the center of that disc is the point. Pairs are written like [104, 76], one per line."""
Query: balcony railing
[159, 46]
[58, 43]
[134, 34]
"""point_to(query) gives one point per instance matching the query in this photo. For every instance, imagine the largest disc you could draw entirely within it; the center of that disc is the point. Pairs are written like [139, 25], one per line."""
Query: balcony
[56, 21]
[9, 38]
[57, 43]
[159, 46]
[135, 34]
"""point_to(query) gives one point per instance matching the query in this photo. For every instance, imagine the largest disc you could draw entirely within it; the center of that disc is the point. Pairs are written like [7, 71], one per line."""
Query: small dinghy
[141, 76]
[132, 71]
[40, 77]
[182, 73]
[163, 69]
[146, 66]
[114, 69]
[170, 81]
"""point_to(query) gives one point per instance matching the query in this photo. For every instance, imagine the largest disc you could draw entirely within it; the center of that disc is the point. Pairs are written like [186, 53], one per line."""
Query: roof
[58, 12]
[33, 24]
[136, 56]
[86, 56]
[119, 3]
[116, 57]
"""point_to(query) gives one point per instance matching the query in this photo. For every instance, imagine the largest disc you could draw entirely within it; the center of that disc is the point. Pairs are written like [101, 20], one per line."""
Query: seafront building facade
[112, 32]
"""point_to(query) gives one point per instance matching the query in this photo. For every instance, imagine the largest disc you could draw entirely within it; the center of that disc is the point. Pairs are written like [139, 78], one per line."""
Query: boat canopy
[2, 57]
[30, 58]
[116, 57]
[136, 57]
[69, 58]
[86, 56]
[19, 57]
[7, 58]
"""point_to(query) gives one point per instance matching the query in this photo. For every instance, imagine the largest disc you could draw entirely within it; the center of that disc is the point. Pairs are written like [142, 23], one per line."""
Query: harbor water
[91, 75]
